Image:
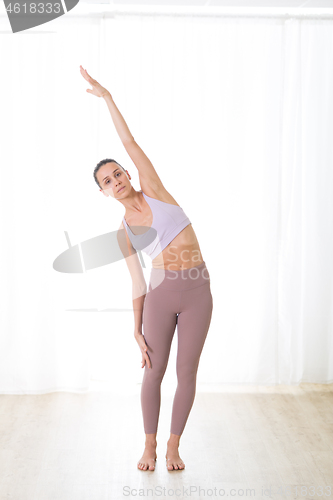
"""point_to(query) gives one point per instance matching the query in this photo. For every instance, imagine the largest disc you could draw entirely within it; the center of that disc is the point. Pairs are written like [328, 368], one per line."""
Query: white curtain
[236, 114]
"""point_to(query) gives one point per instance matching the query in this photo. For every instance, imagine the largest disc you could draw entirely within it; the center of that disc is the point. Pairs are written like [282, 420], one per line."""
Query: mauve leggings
[185, 293]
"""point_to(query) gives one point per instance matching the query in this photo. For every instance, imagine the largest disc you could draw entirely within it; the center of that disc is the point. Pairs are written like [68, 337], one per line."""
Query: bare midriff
[182, 253]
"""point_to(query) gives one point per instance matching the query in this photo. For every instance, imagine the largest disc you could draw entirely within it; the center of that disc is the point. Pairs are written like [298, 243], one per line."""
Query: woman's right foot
[147, 461]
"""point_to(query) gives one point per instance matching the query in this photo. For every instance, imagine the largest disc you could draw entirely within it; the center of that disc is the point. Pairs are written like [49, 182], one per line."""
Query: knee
[186, 373]
[154, 374]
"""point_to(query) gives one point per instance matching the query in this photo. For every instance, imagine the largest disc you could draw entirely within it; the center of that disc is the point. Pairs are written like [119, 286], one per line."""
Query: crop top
[168, 221]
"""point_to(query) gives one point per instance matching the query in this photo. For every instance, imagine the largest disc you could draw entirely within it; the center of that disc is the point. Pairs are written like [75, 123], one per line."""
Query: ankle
[150, 444]
[172, 446]
[173, 441]
[151, 441]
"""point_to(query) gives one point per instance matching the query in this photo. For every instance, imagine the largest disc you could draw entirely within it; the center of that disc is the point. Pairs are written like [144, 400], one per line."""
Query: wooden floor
[71, 446]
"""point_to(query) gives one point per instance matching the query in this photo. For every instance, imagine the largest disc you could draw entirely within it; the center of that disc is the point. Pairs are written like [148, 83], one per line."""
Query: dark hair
[100, 164]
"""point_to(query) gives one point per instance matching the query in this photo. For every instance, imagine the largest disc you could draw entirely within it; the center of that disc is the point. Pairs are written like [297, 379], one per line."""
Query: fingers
[145, 359]
[145, 356]
[85, 74]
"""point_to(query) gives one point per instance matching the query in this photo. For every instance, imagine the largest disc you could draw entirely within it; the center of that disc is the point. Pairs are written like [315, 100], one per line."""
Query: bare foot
[147, 461]
[173, 460]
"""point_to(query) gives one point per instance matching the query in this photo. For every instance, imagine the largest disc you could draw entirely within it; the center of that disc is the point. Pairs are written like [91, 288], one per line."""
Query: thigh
[159, 322]
[193, 325]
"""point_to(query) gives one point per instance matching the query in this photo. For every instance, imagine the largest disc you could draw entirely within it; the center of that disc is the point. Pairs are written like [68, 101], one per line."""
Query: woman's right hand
[143, 347]
[97, 89]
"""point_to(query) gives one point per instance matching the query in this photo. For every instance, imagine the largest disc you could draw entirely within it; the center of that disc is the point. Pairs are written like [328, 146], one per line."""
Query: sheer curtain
[236, 115]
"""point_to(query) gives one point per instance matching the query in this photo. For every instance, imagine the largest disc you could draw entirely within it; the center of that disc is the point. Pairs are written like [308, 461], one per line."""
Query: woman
[179, 286]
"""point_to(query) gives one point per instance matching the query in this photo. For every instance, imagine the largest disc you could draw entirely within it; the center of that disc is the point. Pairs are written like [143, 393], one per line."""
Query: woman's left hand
[97, 89]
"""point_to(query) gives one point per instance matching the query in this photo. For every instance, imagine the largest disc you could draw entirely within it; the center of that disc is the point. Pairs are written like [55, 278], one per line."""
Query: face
[112, 178]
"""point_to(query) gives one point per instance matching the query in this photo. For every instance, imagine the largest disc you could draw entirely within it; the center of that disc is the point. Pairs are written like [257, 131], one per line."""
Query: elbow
[129, 139]
[139, 289]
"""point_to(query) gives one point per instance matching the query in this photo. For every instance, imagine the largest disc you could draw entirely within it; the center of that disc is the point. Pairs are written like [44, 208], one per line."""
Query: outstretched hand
[97, 89]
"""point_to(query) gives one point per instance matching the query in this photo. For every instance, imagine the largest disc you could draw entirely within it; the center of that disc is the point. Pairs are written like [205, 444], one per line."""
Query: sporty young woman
[179, 287]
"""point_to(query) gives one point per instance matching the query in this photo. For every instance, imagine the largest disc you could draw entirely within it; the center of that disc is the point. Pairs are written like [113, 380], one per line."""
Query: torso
[183, 252]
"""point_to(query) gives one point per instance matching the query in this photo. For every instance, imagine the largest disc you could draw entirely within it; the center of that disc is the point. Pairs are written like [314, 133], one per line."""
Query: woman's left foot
[173, 460]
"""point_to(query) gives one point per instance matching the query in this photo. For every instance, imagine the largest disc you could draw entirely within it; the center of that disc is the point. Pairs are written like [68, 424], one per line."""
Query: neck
[133, 202]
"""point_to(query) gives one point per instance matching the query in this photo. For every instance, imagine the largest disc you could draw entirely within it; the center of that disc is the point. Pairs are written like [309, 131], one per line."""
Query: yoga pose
[179, 287]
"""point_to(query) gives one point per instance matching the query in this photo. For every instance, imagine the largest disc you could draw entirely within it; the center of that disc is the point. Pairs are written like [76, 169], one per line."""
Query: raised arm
[145, 168]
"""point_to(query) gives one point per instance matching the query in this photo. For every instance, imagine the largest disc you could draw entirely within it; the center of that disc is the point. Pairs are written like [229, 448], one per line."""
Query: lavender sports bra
[168, 221]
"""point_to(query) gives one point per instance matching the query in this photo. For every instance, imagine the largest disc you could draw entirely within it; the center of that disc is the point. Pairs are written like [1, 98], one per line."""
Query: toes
[174, 466]
[169, 466]
[146, 465]
[152, 466]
